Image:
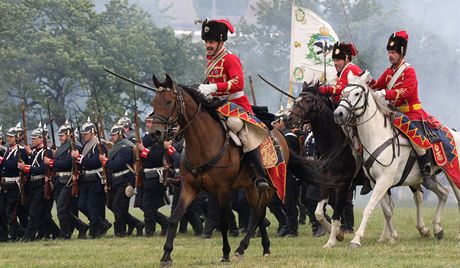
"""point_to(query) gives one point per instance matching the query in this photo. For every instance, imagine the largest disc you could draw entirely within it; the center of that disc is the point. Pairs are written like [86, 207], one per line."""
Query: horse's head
[168, 105]
[305, 106]
[354, 100]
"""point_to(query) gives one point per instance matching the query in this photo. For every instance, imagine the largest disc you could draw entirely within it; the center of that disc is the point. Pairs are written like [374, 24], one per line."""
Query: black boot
[259, 175]
[426, 169]
[366, 187]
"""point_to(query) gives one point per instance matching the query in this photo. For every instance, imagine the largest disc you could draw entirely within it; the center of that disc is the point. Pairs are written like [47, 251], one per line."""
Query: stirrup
[261, 184]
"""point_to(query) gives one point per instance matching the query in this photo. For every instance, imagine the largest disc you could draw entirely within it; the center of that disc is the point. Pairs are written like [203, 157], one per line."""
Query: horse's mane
[312, 87]
[387, 111]
[209, 105]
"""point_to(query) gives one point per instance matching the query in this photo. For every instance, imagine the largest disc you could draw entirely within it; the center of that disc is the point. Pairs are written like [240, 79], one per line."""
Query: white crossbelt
[11, 179]
[159, 170]
[118, 174]
[62, 174]
[37, 177]
[93, 171]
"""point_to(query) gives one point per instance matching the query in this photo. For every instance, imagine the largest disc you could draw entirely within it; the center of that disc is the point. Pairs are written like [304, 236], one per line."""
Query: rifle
[48, 171]
[75, 169]
[137, 159]
[251, 84]
[99, 145]
[100, 123]
[22, 177]
[51, 125]
[77, 125]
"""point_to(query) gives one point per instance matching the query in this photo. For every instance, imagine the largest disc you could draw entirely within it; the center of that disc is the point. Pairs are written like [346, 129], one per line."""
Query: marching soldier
[3, 220]
[399, 85]
[91, 199]
[67, 205]
[120, 165]
[152, 174]
[225, 79]
[40, 205]
[133, 222]
[11, 180]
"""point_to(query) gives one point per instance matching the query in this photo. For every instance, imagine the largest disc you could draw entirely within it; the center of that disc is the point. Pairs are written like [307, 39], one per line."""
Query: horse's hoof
[328, 245]
[340, 236]
[439, 235]
[354, 245]
[425, 232]
[225, 260]
[267, 254]
[167, 263]
[237, 257]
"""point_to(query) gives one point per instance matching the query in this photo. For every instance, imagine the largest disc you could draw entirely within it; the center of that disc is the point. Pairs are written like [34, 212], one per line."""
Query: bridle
[178, 118]
[302, 115]
[353, 109]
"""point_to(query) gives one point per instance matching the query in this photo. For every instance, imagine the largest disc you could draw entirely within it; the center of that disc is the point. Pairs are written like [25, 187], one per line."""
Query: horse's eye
[168, 102]
[356, 94]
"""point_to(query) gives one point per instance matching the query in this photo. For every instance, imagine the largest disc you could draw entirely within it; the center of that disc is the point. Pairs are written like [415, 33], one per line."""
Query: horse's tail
[312, 171]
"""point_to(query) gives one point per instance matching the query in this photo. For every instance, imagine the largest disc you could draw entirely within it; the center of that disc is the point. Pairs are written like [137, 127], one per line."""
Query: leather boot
[366, 187]
[259, 174]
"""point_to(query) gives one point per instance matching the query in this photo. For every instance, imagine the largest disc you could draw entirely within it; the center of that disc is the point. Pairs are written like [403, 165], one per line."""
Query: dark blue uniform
[292, 188]
[121, 176]
[66, 204]
[10, 189]
[91, 199]
[40, 218]
[153, 189]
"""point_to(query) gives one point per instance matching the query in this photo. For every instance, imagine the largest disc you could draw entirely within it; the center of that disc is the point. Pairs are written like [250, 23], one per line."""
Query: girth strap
[373, 157]
[195, 170]
[407, 168]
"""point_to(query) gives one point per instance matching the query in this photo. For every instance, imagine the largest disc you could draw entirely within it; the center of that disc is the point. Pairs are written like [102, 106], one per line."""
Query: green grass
[304, 251]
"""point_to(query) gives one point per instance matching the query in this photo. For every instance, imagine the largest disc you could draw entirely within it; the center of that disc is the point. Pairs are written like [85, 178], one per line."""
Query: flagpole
[292, 51]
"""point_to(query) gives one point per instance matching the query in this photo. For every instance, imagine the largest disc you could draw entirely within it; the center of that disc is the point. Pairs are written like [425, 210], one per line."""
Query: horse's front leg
[187, 195]
[380, 189]
[389, 231]
[225, 210]
[339, 203]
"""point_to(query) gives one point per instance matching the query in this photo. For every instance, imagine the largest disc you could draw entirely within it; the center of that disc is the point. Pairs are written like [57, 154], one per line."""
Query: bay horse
[389, 154]
[210, 162]
[332, 143]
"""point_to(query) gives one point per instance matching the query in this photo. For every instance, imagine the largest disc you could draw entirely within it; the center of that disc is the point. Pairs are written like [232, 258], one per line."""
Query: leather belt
[232, 96]
[121, 173]
[92, 171]
[154, 169]
[62, 174]
[11, 179]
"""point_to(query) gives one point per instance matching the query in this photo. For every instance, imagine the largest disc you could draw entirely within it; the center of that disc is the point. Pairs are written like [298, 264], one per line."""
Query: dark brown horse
[211, 162]
[333, 145]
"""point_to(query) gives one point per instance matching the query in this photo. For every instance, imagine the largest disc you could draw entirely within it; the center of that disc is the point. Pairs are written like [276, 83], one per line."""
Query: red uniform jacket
[404, 93]
[228, 75]
[342, 81]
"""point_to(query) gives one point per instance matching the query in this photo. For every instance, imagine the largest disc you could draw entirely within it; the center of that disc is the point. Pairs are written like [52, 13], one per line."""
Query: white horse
[389, 156]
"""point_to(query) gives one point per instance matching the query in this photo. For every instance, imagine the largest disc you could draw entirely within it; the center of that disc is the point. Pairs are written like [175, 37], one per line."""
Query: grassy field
[304, 251]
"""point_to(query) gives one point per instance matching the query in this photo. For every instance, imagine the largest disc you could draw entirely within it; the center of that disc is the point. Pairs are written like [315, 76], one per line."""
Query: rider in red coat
[342, 54]
[399, 85]
[225, 79]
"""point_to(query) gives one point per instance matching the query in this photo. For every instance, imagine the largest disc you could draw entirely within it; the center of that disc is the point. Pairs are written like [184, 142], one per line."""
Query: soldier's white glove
[380, 94]
[207, 89]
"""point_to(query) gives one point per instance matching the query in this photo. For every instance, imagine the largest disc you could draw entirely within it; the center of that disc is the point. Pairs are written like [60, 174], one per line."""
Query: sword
[275, 87]
[130, 80]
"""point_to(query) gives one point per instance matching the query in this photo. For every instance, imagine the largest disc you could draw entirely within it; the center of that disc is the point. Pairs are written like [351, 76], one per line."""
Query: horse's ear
[366, 76]
[304, 86]
[156, 82]
[169, 82]
[351, 77]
